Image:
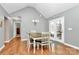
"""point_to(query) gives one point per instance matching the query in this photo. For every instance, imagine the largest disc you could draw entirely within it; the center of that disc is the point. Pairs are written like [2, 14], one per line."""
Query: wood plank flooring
[17, 47]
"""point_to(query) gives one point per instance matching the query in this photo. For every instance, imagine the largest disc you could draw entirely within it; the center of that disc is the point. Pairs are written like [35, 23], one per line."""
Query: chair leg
[49, 48]
[37, 46]
[41, 49]
[28, 48]
[53, 48]
[34, 46]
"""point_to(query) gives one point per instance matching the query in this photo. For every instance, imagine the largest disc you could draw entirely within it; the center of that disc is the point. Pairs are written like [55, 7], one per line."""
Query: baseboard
[24, 39]
[75, 47]
[12, 38]
[2, 47]
[68, 44]
[8, 40]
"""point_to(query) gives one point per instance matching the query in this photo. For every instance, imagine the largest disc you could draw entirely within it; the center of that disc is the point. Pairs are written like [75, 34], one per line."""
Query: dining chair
[52, 44]
[45, 40]
[32, 41]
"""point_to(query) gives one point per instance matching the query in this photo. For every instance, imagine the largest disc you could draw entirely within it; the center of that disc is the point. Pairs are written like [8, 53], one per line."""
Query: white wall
[8, 29]
[28, 14]
[2, 13]
[71, 17]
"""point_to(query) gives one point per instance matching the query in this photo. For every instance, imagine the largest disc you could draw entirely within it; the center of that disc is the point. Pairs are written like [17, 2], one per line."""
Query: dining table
[38, 38]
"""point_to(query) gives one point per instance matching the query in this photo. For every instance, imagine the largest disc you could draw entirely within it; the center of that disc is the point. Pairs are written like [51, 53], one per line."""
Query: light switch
[69, 29]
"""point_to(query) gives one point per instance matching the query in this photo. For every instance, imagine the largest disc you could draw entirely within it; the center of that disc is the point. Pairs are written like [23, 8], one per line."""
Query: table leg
[49, 48]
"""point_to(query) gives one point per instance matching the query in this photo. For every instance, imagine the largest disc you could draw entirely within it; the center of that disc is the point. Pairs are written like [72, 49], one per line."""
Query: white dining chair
[45, 40]
[32, 40]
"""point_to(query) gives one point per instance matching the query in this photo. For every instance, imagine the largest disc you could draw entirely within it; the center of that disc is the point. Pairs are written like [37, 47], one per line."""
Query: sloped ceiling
[12, 7]
[46, 9]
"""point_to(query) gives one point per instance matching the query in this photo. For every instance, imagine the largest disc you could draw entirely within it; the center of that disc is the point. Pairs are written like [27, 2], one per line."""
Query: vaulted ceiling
[46, 9]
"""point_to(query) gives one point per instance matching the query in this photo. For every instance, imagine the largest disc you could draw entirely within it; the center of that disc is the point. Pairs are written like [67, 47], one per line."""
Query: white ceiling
[49, 10]
[46, 9]
[12, 7]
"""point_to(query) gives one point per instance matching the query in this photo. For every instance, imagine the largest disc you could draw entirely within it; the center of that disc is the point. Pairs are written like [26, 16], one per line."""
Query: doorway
[16, 28]
[56, 27]
[18, 32]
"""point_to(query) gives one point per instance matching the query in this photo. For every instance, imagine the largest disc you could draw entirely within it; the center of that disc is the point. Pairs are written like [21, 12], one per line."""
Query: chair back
[35, 34]
[47, 35]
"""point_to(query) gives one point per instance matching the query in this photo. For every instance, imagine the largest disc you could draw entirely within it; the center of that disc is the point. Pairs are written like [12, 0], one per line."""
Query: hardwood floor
[17, 47]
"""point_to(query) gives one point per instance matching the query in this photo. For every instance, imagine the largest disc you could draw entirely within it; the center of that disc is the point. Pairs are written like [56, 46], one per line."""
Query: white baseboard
[8, 40]
[13, 37]
[2, 47]
[75, 47]
[24, 39]
[68, 44]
